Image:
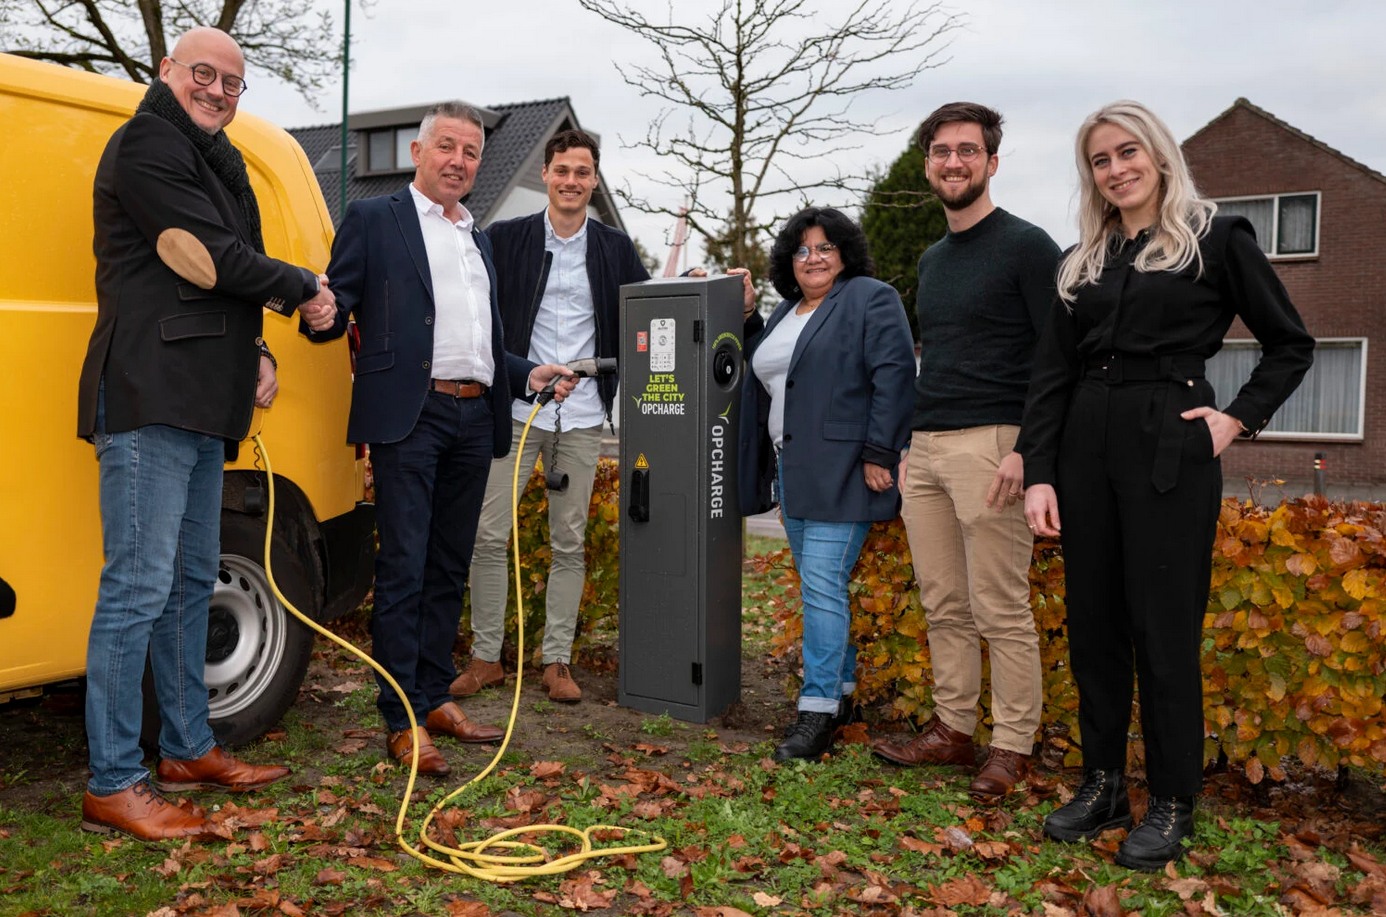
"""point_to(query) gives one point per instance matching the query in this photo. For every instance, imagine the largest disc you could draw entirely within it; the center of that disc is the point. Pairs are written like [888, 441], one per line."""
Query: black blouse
[1167, 313]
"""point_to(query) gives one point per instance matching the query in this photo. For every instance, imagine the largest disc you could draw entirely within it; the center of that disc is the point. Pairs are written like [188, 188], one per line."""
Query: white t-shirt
[771, 364]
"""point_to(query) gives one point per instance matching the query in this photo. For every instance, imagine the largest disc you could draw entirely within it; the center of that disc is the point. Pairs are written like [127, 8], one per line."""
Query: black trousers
[428, 489]
[1138, 563]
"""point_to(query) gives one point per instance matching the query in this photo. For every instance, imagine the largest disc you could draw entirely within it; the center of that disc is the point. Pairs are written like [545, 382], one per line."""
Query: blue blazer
[849, 398]
[379, 274]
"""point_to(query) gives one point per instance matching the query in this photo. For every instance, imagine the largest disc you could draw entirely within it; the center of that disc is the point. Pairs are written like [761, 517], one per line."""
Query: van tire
[257, 652]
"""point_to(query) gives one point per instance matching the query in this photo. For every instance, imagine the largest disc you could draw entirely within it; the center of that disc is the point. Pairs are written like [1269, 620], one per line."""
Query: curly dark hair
[840, 229]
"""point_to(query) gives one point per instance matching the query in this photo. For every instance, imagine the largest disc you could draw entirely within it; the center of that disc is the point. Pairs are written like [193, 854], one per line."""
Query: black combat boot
[1100, 804]
[809, 737]
[1160, 837]
[847, 714]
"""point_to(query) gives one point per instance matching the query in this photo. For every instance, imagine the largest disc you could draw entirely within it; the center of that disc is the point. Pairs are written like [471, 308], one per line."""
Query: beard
[954, 198]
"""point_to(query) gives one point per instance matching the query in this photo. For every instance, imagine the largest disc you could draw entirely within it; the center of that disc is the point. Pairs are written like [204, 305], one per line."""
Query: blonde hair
[1182, 219]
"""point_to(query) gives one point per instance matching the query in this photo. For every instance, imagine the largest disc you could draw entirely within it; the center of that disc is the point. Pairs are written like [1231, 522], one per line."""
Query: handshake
[320, 312]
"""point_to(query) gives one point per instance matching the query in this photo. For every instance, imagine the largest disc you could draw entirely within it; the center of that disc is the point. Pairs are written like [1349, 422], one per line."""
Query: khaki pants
[973, 564]
[574, 452]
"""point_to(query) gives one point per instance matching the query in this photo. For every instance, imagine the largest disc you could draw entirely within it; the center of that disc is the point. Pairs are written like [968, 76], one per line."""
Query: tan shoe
[450, 720]
[999, 774]
[559, 682]
[142, 813]
[431, 760]
[477, 675]
[216, 770]
[937, 744]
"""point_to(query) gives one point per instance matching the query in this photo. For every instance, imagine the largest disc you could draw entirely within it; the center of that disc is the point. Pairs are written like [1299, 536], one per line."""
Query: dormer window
[1287, 225]
[387, 150]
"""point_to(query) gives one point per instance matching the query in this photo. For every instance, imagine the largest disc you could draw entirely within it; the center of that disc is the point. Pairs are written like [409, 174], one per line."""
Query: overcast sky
[1044, 65]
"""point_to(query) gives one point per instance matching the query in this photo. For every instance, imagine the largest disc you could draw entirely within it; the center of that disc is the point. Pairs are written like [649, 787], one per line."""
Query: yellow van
[54, 123]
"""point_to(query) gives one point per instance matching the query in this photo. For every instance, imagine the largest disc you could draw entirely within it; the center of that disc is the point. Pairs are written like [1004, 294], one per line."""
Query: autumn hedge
[1294, 657]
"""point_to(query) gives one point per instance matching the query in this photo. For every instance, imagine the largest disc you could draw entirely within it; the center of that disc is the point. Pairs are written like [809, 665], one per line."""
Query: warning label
[642, 462]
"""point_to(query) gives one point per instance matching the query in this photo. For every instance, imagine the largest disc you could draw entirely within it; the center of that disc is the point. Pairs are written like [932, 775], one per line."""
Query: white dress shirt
[461, 295]
[565, 328]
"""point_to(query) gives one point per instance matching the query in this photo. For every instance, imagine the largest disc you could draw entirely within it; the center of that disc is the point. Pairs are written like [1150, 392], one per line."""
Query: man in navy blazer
[431, 397]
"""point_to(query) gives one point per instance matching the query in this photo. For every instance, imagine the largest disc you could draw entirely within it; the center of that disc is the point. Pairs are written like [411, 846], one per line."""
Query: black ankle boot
[1100, 805]
[809, 737]
[1160, 837]
[848, 712]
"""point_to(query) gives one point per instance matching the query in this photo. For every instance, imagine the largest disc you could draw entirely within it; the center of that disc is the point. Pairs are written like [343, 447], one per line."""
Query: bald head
[210, 107]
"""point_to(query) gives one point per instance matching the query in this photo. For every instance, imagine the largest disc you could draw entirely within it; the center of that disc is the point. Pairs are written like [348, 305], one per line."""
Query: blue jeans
[161, 534]
[428, 492]
[824, 554]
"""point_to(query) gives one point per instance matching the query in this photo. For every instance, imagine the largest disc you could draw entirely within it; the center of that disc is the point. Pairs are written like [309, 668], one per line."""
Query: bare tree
[767, 88]
[286, 39]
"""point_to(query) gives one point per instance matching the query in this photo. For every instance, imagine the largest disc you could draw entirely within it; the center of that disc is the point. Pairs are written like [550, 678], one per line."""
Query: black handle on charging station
[639, 509]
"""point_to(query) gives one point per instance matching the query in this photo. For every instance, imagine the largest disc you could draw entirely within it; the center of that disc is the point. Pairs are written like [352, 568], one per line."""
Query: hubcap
[247, 630]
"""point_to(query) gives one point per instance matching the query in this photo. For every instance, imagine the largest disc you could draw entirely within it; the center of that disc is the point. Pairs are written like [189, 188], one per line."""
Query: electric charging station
[681, 547]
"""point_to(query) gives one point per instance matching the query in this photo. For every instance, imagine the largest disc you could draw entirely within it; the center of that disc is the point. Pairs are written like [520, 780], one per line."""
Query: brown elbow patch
[187, 257]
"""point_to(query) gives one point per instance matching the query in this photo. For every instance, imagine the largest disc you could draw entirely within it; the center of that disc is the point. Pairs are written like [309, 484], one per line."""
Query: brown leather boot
[450, 720]
[477, 675]
[401, 748]
[937, 744]
[559, 682]
[142, 813]
[1001, 771]
[216, 770]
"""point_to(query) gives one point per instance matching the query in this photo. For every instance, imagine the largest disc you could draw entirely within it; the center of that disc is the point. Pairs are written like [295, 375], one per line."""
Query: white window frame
[1275, 220]
[1289, 436]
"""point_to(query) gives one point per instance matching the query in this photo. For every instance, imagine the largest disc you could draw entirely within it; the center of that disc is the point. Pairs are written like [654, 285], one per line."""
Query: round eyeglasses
[823, 248]
[206, 75]
[967, 152]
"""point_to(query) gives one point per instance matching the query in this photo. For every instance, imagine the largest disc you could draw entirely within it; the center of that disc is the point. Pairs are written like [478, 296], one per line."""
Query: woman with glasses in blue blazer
[826, 408]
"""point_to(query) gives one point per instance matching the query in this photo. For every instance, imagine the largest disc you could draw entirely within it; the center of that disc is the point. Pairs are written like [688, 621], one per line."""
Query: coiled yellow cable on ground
[524, 860]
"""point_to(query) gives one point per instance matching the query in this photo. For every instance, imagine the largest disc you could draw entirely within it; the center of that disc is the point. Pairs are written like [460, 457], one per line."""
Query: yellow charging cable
[524, 860]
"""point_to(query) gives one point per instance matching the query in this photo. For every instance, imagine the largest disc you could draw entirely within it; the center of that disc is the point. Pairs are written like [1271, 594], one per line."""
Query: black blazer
[379, 274]
[177, 349]
[522, 272]
[848, 399]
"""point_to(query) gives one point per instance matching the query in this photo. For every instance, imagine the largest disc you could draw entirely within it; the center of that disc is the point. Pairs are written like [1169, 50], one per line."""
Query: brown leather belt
[463, 389]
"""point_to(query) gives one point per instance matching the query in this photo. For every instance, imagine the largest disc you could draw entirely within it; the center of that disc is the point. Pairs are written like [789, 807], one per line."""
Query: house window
[1327, 405]
[1287, 225]
[388, 150]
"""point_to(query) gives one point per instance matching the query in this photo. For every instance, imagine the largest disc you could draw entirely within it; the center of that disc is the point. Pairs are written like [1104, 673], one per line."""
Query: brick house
[1320, 217]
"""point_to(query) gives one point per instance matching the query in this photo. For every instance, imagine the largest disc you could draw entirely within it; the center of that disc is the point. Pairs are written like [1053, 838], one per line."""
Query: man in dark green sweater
[984, 292]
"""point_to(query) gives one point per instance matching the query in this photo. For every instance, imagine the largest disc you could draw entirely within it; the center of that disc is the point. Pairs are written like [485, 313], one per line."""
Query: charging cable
[520, 859]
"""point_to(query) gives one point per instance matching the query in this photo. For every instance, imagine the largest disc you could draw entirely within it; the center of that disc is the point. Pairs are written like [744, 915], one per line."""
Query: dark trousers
[1138, 564]
[428, 487]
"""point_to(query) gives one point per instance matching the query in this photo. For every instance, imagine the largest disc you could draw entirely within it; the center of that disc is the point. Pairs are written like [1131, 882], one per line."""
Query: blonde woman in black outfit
[1121, 439]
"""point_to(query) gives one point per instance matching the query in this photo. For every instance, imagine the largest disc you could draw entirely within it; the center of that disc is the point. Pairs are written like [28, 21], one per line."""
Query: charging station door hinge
[697, 330]
[697, 673]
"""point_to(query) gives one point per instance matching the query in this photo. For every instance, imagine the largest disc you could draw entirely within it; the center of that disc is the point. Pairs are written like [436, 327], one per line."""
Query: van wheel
[257, 652]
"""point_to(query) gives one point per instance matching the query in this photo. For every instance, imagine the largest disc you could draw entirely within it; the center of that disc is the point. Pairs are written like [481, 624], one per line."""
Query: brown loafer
[450, 720]
[558, 679]
[937, 744]
[477, 675]
[1001, 771]
[142, 813]
[216, 770]
[431, 761]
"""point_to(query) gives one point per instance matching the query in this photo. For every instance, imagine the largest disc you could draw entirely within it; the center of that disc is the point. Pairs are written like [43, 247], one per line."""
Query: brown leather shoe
[450, 720]
[431, 761]
[216, 770]
[477, 675]
[559, 682]
[1001, 771]
[937, 744]
[142, 813]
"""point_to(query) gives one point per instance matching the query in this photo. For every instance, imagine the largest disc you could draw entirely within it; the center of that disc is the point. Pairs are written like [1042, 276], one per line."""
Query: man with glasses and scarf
[174, 370]
[984, 294]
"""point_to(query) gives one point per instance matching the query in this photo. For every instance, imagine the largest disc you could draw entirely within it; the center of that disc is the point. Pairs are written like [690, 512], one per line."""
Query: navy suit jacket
[379, 274]
[849, 398]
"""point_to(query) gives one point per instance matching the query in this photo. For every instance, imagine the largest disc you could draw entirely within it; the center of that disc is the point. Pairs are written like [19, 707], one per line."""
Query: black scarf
[223, 158]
